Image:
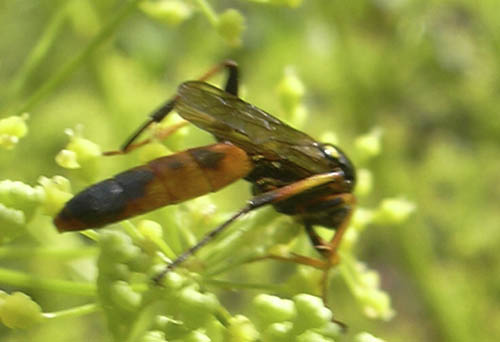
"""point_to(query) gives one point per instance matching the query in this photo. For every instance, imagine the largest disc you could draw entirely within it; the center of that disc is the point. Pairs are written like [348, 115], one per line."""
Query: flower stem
[208, 11]
[25, 280]
[44, 252]
[76, 311]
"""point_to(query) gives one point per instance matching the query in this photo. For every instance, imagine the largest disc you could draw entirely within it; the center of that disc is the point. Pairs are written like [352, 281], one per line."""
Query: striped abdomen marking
[166, 180]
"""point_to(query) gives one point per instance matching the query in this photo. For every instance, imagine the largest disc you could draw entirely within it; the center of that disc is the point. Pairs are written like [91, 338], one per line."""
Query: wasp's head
[338, 159]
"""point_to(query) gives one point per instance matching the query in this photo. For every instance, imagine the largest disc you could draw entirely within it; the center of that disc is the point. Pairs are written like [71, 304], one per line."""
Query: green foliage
[406, 88]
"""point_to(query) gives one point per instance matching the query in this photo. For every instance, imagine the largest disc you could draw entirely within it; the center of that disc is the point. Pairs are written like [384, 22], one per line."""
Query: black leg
[156, 116]
[232, 79]
[159, 114]
[317, 242]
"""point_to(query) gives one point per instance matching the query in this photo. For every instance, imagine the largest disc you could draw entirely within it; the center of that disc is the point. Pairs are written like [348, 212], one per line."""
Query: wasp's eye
[340, 159]
[332, 151]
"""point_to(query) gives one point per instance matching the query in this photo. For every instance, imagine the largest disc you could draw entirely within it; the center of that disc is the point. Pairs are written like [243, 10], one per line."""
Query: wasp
[299, 176]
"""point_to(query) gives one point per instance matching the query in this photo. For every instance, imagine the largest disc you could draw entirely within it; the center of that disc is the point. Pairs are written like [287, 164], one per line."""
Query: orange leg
[159, 135]
[296, 259]
[328, 249]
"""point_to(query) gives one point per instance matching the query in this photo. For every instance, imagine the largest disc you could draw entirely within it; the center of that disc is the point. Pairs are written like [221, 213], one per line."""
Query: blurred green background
[425, 72]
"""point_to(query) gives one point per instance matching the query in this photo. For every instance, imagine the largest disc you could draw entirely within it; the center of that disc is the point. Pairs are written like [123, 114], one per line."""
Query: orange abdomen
[166, 180]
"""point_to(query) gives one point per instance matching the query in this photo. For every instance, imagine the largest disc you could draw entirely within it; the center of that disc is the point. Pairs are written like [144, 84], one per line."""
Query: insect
[298, 176]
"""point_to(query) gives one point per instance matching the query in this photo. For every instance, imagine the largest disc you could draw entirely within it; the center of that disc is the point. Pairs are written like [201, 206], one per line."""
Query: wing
[229, 118]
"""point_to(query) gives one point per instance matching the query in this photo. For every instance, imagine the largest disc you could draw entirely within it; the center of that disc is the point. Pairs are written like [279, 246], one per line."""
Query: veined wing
[229, 118]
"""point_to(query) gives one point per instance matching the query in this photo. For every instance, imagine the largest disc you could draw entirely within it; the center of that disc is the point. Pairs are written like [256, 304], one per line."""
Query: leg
[349, 201]
[327, 249]
[232, 80]
[330, 249]
[159, 114]
[329, 206]
[159, 135]
[256, 202]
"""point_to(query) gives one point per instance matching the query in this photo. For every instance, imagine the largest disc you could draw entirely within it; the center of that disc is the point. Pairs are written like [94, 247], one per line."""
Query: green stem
[77, 311]
[208, 11]
[137, 236]
[37, 53]
[235, 262]
[75, 63]
[236, 285]
[44, 252]
[20, 279]
[90, 234]
[131, 230]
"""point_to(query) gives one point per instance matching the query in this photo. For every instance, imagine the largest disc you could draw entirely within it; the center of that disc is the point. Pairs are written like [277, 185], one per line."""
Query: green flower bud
[311, 312]
[80, 153]
[312, 336]
[113, 270]
[291, 90]
[197, 301]
[215, 330]
[57, 193]
[85, 149]
[19, 311]
[196, 308]
[118, 246]
[154, 336]
[12, 129]
[364, 183]
[366, 337]
[278, 332]
[361, 218]
[272, 309]
[13, 216]
[124, 297]
[369, 145]
[241, 329]
[394, 211]
[18, 204]
[376, 304]
[364, 284]
[173, 280]
[150, 229]
[230, 26]
[197, 336]
[330, 330]
[151, 238]
[67, 159]
[21, 196]
[170, 12]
